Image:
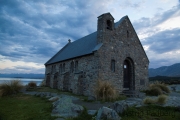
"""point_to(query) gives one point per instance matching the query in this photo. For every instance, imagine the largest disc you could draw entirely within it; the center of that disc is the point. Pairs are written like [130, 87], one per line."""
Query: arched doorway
[128, 74]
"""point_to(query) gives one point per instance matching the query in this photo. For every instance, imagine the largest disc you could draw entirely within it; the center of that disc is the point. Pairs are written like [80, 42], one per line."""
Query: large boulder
[65, 108]
[119, 107]
[106, 113]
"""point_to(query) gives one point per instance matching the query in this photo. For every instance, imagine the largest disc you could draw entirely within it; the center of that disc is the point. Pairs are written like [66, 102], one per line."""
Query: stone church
[113, 53]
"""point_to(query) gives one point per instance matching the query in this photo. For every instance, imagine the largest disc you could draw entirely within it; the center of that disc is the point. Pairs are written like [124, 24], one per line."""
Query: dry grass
[10, 87]
[157, 88]
[32, 84]
[148, 100]
[162, 86]
[161, 99]
[105, 91]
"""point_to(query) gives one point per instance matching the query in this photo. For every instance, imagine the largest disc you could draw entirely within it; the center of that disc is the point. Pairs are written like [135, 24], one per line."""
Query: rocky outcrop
[65, 108]
[106, 113]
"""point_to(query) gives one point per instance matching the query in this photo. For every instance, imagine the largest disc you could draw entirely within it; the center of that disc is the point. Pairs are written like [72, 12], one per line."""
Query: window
[76, 66]
[109, 25]
[125, 66]
[63, 68]
[113, 65]
[127, 34]
[53, 68]
[72, 67]
[60, 68]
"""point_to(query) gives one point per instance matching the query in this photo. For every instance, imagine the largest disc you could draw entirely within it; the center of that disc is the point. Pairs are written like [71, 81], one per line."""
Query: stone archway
[128, 74]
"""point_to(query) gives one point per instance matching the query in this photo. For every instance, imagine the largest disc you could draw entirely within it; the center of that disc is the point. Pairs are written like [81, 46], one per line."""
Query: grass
[10, 87]
[151, 112]
[160, 100]
[104, 90]
[32, 84]
[25, 107]
[157, 88]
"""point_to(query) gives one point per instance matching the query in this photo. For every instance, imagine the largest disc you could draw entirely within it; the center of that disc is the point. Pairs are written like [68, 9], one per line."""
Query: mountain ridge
[170, 71]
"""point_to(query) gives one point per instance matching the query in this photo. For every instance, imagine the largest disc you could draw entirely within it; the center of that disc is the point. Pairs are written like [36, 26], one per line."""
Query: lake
[24, 81]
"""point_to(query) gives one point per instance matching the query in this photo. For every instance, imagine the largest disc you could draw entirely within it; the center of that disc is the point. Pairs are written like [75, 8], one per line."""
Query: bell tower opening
[109, 24]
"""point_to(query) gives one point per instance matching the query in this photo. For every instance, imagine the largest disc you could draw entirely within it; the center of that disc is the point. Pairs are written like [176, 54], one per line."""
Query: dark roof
[83, 46]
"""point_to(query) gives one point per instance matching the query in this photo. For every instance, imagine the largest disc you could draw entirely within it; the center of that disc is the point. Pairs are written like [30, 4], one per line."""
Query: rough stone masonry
[113, 53]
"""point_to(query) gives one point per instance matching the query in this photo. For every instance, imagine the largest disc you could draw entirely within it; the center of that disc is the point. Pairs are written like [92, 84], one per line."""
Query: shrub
[161, 99]
[32, 84]
[105, 91]
[10, 87]
[154, 91]
[162, 86]
[157, 88]
[149, 101]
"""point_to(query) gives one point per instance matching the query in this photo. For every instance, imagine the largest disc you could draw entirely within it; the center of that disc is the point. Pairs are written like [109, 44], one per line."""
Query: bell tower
[105, 24]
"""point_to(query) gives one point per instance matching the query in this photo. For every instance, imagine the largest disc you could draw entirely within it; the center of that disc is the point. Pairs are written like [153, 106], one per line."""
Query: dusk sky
[32, 31]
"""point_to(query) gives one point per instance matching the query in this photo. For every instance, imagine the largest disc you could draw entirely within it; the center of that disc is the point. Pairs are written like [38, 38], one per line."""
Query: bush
[32, 84]
[162, 86]
[157, 88]
[161, 99]
[149, 101]
[154, 91]
[10, 87]
[105, 91]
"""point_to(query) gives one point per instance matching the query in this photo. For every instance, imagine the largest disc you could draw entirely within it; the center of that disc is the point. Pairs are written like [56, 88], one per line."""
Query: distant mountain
[171, 71]
[20, 75]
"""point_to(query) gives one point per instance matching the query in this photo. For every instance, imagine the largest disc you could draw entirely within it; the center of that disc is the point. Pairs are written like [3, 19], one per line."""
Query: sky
[32, 31]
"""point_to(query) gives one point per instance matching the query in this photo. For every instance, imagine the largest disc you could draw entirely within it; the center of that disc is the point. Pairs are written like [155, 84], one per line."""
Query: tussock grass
[32, 84]
[157, 88]
[148, 100]
[10, 87]
[161, 99]
[104, 90]
[162, 86]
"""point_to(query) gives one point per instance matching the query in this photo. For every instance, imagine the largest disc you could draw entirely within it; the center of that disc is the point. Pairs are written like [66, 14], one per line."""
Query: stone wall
[79, 80]
[118, 44]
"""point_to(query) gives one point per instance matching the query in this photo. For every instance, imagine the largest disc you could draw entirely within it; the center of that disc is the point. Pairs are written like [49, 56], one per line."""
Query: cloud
[164, 41]
[33, 31]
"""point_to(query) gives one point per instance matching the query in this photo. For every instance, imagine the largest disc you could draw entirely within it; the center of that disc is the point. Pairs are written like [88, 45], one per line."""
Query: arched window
[72, 67]
[113, 65]
[76, 66]
[109, 25]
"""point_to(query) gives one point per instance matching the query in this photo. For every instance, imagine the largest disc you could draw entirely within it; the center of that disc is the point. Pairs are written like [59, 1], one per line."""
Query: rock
[119, 107]
[65, 108]
[106, 113]
[91, 98]
[91, 112]
[53, 99]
